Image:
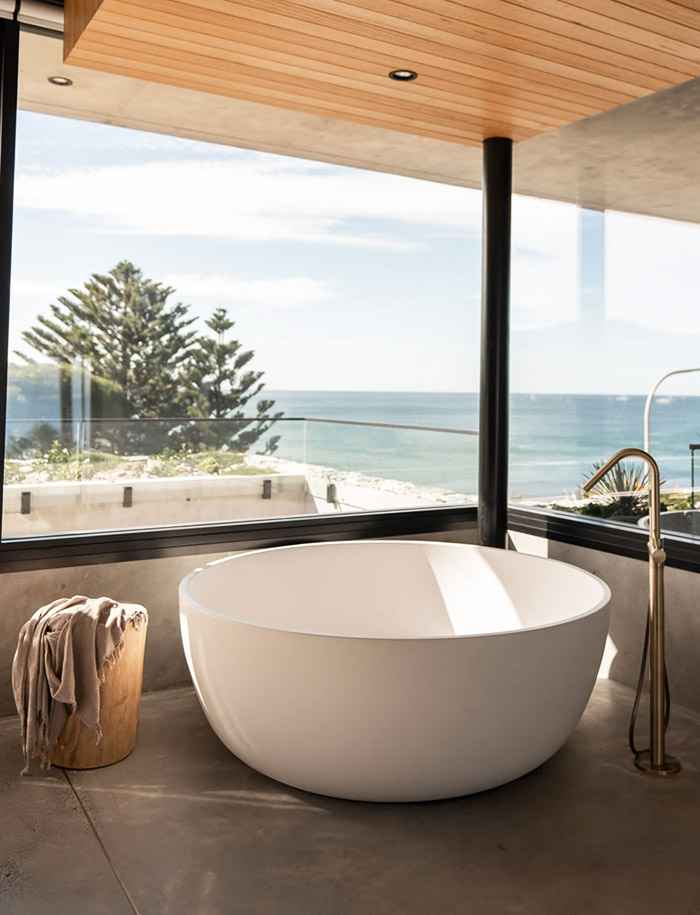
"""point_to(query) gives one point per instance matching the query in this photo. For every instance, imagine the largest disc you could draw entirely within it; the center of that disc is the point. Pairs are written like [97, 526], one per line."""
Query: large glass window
[201, 333]
[604, 305]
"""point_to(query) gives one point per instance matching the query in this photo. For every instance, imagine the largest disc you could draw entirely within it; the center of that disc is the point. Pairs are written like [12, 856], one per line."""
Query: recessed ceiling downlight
[403, 76]
[60, 81]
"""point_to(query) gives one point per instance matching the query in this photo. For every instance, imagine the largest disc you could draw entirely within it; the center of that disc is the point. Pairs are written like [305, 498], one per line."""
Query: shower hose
[640, 687]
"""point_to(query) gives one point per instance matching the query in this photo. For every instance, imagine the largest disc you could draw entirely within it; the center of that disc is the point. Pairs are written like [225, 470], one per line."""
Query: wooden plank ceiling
[511, 68]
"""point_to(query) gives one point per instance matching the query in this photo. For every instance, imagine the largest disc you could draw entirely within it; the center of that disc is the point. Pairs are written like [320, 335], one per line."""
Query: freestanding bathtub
[393, 670]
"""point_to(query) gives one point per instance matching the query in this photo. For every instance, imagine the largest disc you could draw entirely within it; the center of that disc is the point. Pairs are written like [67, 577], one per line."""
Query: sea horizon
[623, 394]
[555, 438]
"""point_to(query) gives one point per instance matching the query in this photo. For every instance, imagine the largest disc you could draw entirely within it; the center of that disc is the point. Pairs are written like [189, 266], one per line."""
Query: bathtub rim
[184, 596]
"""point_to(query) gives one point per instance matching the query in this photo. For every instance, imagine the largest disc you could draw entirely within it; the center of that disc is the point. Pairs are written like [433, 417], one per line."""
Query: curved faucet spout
[655, 542]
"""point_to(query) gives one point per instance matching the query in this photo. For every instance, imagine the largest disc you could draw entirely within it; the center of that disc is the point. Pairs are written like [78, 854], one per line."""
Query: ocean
[554, 438]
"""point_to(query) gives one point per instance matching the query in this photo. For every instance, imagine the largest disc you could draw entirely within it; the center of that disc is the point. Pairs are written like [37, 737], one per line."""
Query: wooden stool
[120, 698]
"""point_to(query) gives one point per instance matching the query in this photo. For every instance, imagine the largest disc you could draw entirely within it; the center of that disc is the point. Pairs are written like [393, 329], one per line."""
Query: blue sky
[342, 279]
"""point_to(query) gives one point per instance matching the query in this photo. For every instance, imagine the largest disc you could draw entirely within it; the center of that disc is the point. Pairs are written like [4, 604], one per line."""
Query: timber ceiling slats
[486, 67]
[378, 41]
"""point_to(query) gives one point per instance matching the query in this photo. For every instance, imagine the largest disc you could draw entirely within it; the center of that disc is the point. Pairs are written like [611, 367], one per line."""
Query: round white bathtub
[393, 670]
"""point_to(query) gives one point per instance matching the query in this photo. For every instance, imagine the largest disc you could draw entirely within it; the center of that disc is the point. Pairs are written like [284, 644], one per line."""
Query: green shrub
[635, 506]
[56, 454]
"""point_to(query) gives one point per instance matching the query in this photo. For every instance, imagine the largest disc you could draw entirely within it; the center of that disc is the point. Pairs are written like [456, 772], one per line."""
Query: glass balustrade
[103, 475]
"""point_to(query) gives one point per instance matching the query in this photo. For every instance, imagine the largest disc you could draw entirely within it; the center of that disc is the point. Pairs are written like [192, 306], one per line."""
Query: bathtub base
[415, 796]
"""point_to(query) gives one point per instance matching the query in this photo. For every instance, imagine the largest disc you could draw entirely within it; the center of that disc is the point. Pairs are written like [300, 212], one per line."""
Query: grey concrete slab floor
[191, 830]
[50, 859]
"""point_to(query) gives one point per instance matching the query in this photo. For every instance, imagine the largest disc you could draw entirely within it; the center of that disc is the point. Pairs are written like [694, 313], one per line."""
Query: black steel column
[495, 330]
[9, 56]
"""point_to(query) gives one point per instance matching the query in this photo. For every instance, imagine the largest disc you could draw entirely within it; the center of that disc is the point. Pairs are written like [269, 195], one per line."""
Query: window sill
[623, 539]
[58, 551]
[88, 549]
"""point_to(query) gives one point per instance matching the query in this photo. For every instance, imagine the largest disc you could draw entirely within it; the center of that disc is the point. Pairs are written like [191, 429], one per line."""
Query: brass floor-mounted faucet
[654, 761]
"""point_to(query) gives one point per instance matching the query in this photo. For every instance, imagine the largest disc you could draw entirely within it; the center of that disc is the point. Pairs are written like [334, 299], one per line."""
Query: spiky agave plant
[623, 479]
[624, 490]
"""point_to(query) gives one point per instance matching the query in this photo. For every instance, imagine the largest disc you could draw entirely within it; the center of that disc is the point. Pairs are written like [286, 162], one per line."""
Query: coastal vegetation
[618, 509]
[59, 463]
[622, 494]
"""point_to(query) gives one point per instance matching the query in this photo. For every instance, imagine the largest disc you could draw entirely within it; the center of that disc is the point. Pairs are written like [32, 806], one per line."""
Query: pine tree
[219, 387]
[139, 347]
[121, 328]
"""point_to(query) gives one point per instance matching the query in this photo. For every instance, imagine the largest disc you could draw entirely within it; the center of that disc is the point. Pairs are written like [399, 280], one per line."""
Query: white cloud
[251, 198]
[254, 197]
[286, 292]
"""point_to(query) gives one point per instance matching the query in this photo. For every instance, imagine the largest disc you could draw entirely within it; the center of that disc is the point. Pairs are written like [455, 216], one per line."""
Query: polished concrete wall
[151, 582]
[629, 583]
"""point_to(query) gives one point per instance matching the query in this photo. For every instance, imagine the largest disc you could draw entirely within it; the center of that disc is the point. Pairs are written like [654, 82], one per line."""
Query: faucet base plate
[670, 764]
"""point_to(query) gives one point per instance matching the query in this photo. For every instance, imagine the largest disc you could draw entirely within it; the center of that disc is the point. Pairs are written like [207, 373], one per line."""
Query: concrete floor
[182, 827]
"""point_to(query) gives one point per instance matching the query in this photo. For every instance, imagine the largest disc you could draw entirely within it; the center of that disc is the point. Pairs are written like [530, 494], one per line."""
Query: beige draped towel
[58, 666]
